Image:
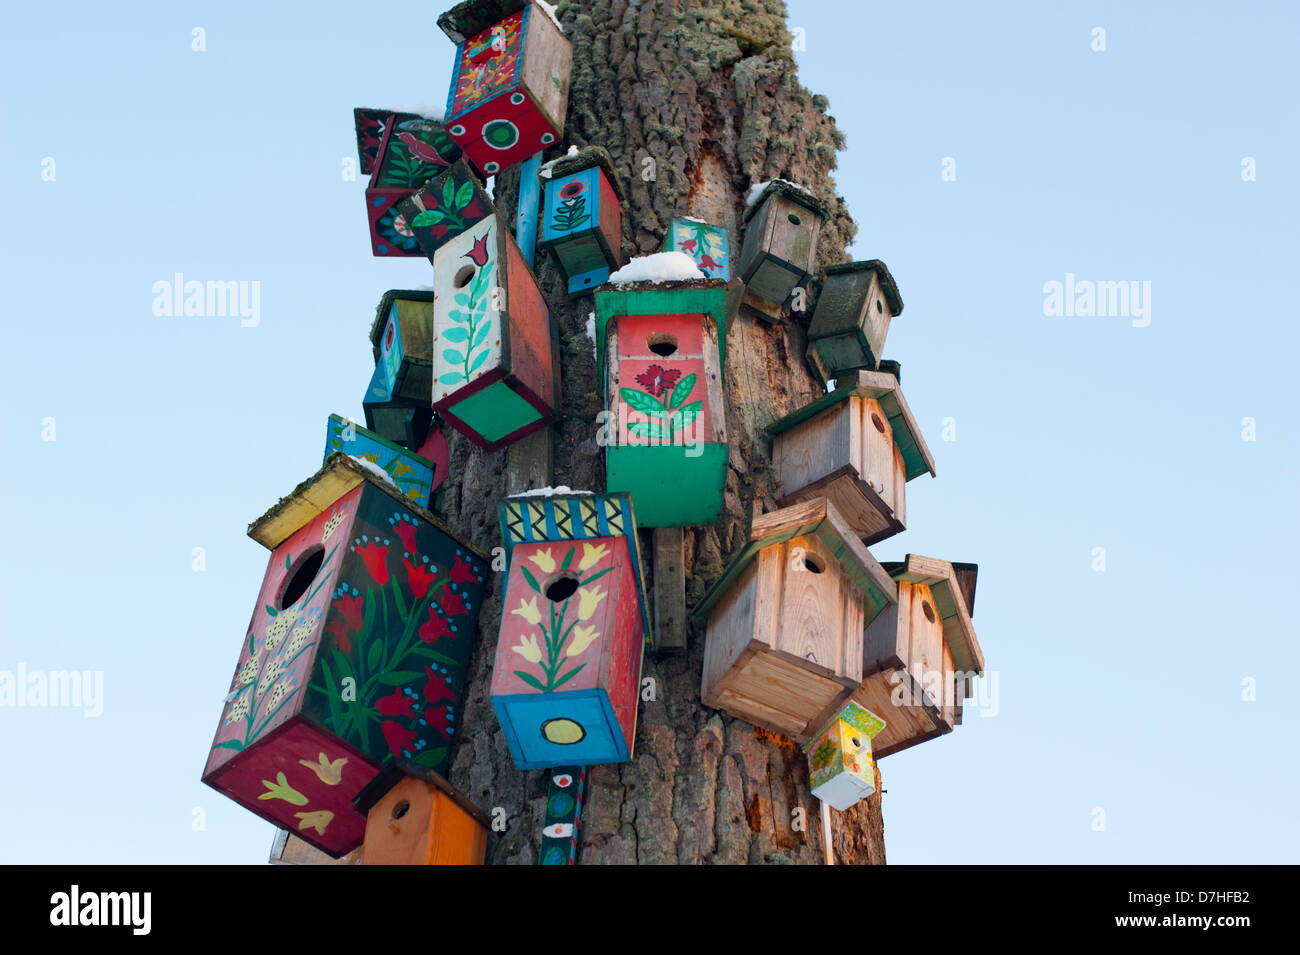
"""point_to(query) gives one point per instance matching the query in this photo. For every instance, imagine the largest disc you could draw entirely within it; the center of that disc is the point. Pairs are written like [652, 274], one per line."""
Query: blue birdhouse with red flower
[356, 652]
[510, 82]
[582, 217]
[411, 151]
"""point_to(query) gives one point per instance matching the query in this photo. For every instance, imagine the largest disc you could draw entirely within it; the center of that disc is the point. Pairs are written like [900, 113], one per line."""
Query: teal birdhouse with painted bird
[706, 244]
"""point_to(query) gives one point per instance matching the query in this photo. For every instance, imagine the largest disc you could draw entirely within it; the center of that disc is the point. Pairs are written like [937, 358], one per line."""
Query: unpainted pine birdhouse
[395, 419]
[706, 244]
[782, 224]
[574, 624]
[288, 849]
[415, 817]
[921, 655]
[510, 82]
[356, 652]
[445, 207]
[582, 218]
[852, 318]
[661, 348]
[785, 620]
[841, 769]
[495, 373]
[412, 473]
[858, 447]
[411, 153]
[401, 335]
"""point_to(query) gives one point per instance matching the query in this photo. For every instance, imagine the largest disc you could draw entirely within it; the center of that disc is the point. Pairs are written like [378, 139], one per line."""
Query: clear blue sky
[1119, 690]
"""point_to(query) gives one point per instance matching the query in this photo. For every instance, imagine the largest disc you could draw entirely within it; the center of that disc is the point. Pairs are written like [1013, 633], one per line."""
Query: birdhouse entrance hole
[662, 344]
[463, 275]
[812, 564]
[561, 588]
[794, 219]
[401, 809]
[877, 423]
[927, 610]
[301, 576]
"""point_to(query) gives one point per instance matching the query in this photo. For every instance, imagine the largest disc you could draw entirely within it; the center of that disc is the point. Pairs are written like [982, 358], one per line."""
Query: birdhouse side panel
[401, 839]
[730, 630]
[445, 207]
[573, 205]
[412, 473]
[878, 450]
[487, 64]
[404, 348]
[467, 309]
[707, 245]
[611, 222]
[793, 238]
[621, 664]
[820, 611]
[900, 487]
[548, 64]
[532, 361]
[812, 451]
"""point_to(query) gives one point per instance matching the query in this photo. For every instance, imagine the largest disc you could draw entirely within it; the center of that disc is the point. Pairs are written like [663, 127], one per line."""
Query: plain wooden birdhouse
[782, 225]
[582, 218]
[840, 766]
[510, 82]
[288, 849]
[412, 151]
[857, 446]
[415, 817]
[661, 348]
[445, 207]
[412, 473]
[785, 620]
[356, 652]
[573, 628]
[706, 244]
[921, 654]
[853, 313]
[495, 373]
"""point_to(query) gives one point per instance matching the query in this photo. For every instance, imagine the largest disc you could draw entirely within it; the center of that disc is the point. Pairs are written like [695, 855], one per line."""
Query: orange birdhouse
[415, 817]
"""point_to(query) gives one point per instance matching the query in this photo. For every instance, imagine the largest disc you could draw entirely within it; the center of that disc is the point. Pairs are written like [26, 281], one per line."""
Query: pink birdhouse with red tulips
[510, 82]
[412, 151]
[356, 652]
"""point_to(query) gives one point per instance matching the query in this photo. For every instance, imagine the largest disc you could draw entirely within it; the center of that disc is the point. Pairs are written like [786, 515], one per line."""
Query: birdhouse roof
[712, 297]
[386, 303]
[950, 601]
[472, 17]
[883, 387]
[857, 716]
[397, 769]
[789, 190]
[818, 518]
[585, 158]
[371, 121]
[887, 283]
[339, 475]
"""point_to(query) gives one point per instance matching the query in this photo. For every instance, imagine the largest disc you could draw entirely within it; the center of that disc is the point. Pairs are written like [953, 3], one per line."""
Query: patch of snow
[548, 168]
[427, 112]
[756, 190]
[693, 219]
[830, 385]
[591, 328]
[659, 267]
[560, 491]
[374, 469]
[549, 9]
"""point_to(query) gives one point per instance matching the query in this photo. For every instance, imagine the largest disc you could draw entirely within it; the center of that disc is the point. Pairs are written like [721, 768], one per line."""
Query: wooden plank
[669, 590]
[730, 632]
[288, 849]
[877, 451]
[820, 447]
[810, 592]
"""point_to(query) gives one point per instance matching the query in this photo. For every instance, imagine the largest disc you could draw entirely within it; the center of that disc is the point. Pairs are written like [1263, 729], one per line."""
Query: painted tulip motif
[280, 789]
[318, 820]
[329, 771]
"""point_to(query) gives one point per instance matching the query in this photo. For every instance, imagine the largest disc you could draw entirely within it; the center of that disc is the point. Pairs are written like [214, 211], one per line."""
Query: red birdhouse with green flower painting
[356, 652]
[411, 152]
[510, 82]
[574, 624]
[582, 219]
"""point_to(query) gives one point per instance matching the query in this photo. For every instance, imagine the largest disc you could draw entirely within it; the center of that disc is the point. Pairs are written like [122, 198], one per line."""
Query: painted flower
[401, 468]
[282, 689]
[419, 577]
[396, 704]
[528, 610]
[280, 789]
[438, 688]
[406, 532]
[300, 636]
[591, 554]
[479, 253]
[330, 773]
[453, 603]
[440, 720]
[374, 556]
[270, 673]
[435, 628]
[317, 820]
[581, 639]
[398, 737]
[392, 228]
[588, 599]
[239, 709]
[463, 573]
[575, 188]
[656, 379]
[528, 648]
[350, 618]
[334, 520]
[544, 561]
[281, 625]
[706, 263]
[248, 672]
[688, 245]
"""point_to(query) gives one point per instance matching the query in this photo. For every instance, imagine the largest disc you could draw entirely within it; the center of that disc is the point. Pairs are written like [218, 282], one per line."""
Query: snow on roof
[548, 168]
[561, 491]
[549, 8]
[659, 267]
[756, 190]
[374, 469]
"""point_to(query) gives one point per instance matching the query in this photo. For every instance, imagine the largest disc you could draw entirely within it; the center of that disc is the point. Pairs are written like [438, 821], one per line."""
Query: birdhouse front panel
[582, 223]
[841, 768]
[412, 473]
[412, 152]
[356, 651]
[852, 318]
[371, 125]
[419, 823]
[509, 89]
[494, 370]
[394, 418]
[445, 207]
[568, 659]
[402, 336]
[706, 244]
[780, 247]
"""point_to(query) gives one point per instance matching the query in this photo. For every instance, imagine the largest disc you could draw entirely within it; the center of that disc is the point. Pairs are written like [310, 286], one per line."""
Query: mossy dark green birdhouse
[782, 223]
[853, 313]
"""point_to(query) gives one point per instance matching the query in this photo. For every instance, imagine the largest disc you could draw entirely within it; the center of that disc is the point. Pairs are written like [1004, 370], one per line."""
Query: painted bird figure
[707, 263]
[422, 150]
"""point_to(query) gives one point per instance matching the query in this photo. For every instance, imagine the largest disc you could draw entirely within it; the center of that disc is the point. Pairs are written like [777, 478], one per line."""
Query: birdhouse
[785, 620]
[706, 244]
[661, 349]
[415, 817]
[371, 125]
[582, 220]
[560, 823]
[841, 770]
[401, 335]
[411, 153]
[573, 626]
[782, 223]
[510, 82]
[356, 652]
[858, 447]
[445, 207]
[288, 849]
[495, 374]
[394, 419]
[848, 328]
[921, 655]
[410, 472]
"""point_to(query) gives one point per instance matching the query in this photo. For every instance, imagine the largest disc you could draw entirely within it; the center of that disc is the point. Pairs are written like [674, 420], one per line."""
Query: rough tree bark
[708, 90]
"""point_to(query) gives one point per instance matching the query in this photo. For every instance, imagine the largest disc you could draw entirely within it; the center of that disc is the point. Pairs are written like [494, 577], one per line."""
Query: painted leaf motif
[683, 417]
[463, 195]
[456, 334]
[453, 357]
[481, 335]
[531, 680]
[431, 757]
[682, 391]
[647, 429]
[644, 403]
[462, 299]
[482, 357]
[448, 192]
[427, 218]
[532, 581]
[452, 378]
[456, 315]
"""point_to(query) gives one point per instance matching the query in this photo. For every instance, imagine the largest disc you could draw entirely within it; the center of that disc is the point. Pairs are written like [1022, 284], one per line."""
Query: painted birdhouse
[445, 207]
[411, 153]
[415, 817]
[410, 472]
[356, 652]
[848, 328]
[841, 769]
[782, 223]
[858, 447]
[785, 620]
[402, 334]
[582, 218]
[510, 82]
[706, 244]
[371, 125]
[921, 655]
[661, 349]
[574, 624]
[394, 419]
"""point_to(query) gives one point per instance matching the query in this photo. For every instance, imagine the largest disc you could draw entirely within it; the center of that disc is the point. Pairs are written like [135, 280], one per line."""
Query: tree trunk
[708, 91]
